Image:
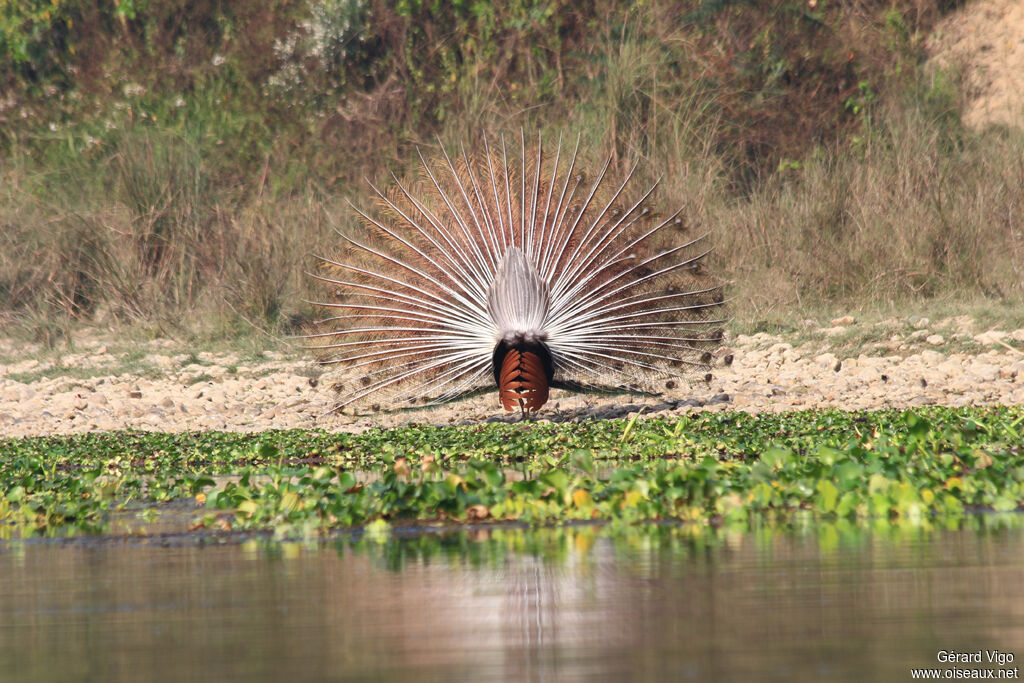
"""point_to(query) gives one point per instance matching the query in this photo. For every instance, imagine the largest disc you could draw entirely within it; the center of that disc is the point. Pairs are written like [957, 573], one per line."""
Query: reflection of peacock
[523, 274]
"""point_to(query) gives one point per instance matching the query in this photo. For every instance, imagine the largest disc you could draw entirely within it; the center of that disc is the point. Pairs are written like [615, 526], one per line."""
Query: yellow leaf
[289, 501]
[247, 508]
[690, 513]
[982, 459]
[581, 498]
[377, 531]
[631, 499]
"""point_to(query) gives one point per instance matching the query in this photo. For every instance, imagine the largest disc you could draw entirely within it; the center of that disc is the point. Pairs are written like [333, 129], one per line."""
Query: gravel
[210, 391]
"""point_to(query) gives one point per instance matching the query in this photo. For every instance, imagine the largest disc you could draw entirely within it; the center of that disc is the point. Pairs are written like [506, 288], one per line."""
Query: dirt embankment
[984, 41]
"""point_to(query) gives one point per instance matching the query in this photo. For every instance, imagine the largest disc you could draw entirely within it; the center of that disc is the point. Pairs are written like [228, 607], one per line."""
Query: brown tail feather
[523, 383]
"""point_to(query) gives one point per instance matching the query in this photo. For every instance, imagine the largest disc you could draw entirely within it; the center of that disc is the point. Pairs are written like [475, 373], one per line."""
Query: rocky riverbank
[99, 386]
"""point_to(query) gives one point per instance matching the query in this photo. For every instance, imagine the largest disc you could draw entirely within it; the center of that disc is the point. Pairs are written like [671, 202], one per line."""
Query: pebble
[992, 337]
[764, 373]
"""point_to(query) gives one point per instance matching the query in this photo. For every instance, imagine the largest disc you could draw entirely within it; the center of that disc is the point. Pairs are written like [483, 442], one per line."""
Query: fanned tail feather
[485, 250]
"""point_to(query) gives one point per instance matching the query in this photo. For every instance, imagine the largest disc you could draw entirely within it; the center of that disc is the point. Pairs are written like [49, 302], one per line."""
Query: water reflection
[837, 602]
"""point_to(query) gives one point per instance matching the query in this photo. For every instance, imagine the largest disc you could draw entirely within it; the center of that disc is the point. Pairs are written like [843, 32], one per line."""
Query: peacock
[520, 274]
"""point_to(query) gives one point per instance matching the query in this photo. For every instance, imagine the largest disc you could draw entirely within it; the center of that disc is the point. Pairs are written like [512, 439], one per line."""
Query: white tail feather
[488, 251]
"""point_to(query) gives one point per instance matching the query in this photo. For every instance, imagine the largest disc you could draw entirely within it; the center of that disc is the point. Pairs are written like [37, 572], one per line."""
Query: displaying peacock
[519, 274]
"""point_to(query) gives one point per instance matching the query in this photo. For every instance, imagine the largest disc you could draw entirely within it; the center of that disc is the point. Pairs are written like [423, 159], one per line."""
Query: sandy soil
[90, 389]
[985, 41]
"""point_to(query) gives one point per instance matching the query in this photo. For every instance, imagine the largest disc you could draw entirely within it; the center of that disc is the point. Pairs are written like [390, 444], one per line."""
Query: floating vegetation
[704, 470]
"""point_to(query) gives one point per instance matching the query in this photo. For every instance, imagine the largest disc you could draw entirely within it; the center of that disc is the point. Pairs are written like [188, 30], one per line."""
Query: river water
[651, 602]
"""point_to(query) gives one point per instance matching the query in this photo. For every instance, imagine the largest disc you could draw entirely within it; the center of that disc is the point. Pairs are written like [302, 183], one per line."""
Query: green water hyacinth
[922, 467]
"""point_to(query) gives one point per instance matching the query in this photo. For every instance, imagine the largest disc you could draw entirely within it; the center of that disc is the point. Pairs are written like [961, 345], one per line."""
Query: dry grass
[148, 244]
[911, 217]
[900, 206]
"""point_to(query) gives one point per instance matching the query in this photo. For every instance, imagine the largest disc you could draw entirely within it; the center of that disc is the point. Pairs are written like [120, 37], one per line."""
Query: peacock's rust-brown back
[522, 382]
[489, 247]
